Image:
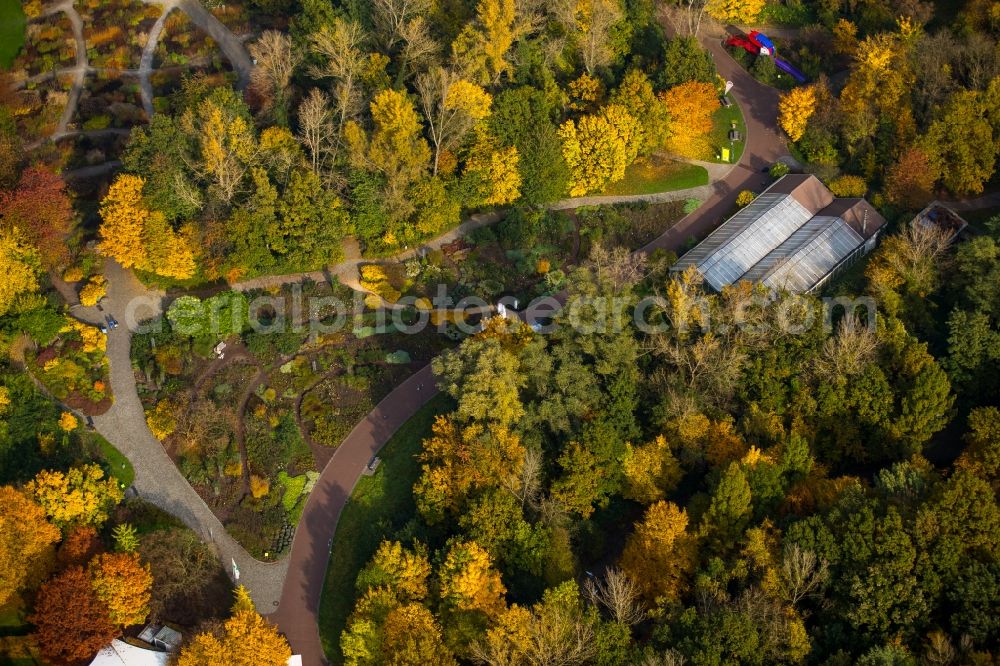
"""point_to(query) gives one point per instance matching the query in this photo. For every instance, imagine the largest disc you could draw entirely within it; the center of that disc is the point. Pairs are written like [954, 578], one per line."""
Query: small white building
[120, 653]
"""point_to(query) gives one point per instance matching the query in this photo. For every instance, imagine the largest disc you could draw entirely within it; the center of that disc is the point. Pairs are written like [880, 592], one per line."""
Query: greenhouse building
[795, 236]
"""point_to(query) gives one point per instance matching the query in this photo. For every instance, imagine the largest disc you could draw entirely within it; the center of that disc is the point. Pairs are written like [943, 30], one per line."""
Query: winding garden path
[297, 614]
[146, 60]
[297, 581]
[79, 72]
[293, 586]
[157, 479]
[230, 45]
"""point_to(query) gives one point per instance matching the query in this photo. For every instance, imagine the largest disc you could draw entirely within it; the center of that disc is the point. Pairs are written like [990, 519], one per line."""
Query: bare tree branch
[804, 572]
[618, 594]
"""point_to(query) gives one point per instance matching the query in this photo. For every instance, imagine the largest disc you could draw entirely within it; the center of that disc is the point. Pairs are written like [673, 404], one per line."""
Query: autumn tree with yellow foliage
[848, 186]
[877, 86]
[137, 237]
[27, 543]
[744, 12]
[651, 471]
[636, 95]
[395, 148]
[496, 171]
[964, 142]
[795, 109]
[80, 496]
[92, 292]
[691, 106]
[559, 629]
[403, 571]
[389, 620]
[599, 147]
[483, 45]
[458, 460]
[123, 585]
[452, 106]
[19, 268]
[469, 582]
[227, 145]
[659, 555]
[246, 639]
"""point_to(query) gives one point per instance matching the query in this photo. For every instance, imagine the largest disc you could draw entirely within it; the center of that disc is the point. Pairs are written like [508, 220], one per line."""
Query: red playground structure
[759, 45]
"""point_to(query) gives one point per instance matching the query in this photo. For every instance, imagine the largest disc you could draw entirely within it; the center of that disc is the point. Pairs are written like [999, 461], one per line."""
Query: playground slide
[785, 67]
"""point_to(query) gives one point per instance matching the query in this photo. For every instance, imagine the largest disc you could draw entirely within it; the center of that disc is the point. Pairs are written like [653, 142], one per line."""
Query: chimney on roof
[864, 223]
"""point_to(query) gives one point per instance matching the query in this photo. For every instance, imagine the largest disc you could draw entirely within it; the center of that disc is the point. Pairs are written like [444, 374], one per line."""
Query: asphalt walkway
[297, 614]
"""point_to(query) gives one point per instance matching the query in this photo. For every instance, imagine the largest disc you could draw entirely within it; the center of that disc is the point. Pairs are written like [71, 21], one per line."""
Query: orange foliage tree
[81, 544]
[691, 106]
[26, 543]
[71, 624]
[123, 584]
[910, 180]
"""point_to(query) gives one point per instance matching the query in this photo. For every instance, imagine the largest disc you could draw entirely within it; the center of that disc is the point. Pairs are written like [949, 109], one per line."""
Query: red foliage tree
[40, 207]
[71, 624]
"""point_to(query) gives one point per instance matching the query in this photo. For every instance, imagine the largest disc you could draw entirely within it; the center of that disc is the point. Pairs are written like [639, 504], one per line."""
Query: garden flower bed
[116, 31]
[110, 101]
[251, 429]
[182, 43]
[234, 17]
[40, 106]
[74, 368]
[49, 45]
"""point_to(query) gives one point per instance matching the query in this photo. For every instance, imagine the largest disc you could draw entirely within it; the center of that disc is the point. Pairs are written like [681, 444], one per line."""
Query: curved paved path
[297, 614]
[157, 479]
[146, 60]
[764, 146]
[79, 71]
[231, 45]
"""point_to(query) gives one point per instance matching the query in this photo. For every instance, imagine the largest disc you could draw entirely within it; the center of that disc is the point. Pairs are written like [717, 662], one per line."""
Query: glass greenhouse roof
[775, 241]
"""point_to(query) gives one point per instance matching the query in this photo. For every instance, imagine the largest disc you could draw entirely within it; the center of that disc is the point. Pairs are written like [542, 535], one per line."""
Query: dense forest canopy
[750, 477]
[735, 492]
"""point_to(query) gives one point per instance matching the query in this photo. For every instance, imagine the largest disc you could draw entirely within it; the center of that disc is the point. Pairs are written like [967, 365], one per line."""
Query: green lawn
[723, 119]
[650, 175]
[12, 23]
[379, 505]
[117, 464]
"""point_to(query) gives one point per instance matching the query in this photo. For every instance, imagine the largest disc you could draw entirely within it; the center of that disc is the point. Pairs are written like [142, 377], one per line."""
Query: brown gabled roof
[806, 189]
[858, 213]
